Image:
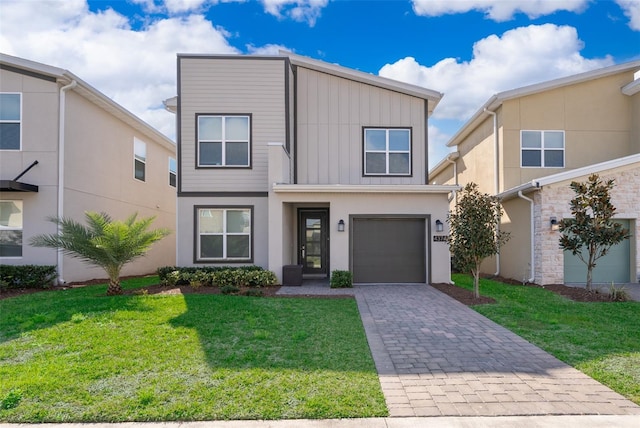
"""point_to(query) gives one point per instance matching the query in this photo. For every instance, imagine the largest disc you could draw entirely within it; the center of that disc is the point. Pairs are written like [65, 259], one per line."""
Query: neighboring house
[66, 148]
[527, 145]
[287, 161]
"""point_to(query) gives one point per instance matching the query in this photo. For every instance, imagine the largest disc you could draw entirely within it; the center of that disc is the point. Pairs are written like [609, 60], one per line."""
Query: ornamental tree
[591, 232]
[103, 242]
[474, 232]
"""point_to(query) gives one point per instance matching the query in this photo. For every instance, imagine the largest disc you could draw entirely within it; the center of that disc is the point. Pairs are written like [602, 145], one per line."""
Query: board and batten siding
[231, 86]
[331, 114]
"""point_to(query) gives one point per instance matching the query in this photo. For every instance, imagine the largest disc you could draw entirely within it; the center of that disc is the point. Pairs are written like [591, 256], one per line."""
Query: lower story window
[10, 228]
[223, 233]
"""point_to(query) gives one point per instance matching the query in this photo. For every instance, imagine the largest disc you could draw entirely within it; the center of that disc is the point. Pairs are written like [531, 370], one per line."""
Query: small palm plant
[103, 242]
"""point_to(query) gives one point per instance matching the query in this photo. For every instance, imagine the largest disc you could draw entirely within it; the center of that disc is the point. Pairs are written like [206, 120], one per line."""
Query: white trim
[369, 79]
[15, 229]
[364, 188]
[571, 175]
[137, 143]
[64, 77]
[496, 100]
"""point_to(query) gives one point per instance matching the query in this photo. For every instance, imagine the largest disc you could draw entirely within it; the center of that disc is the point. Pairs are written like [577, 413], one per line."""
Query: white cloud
[135, 68]
[631, 9]
[520, 57]
[497, 10]
[298, 10]
[271, 49]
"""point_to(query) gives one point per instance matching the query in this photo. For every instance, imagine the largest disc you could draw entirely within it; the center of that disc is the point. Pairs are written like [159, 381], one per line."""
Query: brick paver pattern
[437, 357]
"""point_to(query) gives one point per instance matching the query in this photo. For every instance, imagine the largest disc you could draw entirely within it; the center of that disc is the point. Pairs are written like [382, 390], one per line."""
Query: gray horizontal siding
[218, 85]
[331, 113]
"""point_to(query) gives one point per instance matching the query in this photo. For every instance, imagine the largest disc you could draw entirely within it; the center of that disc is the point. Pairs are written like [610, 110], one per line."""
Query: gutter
[61, 142]
[451, 158]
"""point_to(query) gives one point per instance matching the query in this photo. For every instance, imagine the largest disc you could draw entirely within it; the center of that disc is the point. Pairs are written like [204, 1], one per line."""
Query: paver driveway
[437, 357]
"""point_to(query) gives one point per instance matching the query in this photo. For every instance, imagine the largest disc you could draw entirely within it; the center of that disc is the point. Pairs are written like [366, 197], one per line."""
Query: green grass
[600, 339]
[77, 355]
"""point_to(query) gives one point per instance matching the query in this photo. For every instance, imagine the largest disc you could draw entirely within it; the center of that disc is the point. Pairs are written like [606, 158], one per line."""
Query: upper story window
[139, 159]
[10, 121]
[223, 233]
[224, 141]
[10, 228]
[387, 151]
[173, 172]
[542, 149]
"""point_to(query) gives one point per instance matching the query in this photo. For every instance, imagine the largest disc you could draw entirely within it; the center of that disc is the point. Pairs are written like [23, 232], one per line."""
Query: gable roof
[496, 100]
[432, 96]
[64, 77]
[570, 175]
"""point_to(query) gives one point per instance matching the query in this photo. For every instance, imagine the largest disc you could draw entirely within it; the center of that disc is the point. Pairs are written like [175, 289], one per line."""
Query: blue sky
[467, 49]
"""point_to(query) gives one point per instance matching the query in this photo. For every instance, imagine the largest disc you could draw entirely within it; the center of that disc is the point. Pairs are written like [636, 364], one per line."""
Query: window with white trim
[10, 121]
[173, 172]
[542, 149]
[224, 141]
[10, 228]
[387, 151]
[223, 234]
[139, 159]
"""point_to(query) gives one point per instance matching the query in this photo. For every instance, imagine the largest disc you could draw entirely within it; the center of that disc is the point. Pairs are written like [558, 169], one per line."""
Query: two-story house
[285, 160]
[528, 144]
[66, 148]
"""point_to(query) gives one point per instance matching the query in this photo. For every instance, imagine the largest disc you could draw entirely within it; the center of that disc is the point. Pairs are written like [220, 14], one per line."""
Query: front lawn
[599, 339]
[77, 355]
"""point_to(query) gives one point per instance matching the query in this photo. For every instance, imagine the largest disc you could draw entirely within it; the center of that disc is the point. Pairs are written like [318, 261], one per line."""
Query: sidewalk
[433, 422]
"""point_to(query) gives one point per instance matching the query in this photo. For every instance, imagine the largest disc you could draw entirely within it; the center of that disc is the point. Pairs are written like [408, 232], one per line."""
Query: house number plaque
[441, 238]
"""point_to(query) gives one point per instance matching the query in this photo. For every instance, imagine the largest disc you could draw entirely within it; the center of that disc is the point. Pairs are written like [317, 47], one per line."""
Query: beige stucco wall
[477, 160]
[331, 114]
[98, 173]
[341, 206]
[596, 118]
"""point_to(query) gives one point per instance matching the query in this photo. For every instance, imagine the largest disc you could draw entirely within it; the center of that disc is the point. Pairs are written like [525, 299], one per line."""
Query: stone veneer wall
[553, 200]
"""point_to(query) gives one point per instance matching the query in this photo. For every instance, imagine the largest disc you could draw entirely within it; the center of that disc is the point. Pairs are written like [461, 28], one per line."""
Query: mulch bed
[460, 294]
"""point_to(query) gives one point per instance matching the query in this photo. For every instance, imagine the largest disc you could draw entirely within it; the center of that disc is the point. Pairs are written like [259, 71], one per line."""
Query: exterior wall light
[341, 226]
[439, 226]
[554, 224]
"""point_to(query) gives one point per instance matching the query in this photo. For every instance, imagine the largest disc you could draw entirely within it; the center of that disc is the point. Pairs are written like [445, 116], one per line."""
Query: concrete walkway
[437, 357]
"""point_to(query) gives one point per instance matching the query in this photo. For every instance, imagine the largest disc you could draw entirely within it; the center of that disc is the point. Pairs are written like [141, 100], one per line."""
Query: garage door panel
[615, 266]
[388, 250]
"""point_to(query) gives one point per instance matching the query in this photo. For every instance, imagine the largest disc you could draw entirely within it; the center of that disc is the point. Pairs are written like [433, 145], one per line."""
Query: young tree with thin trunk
[591, 232]
[474, 232]
[103, 242]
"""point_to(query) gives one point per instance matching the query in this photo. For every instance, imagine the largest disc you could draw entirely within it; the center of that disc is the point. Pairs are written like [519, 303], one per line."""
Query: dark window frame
[196, 234]
[223, 165]
[387, 152]
[13, 122]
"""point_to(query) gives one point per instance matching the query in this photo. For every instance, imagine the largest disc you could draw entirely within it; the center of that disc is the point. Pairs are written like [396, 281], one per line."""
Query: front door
[313, 242]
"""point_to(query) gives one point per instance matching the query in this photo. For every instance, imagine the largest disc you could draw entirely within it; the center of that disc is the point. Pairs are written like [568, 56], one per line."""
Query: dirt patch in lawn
[462, 295]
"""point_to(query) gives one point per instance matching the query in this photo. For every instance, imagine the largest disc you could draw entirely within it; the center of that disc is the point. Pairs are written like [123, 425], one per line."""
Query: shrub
[221, 276]
[229, 289]
[26, 276]
[254, 292]
[341, 279]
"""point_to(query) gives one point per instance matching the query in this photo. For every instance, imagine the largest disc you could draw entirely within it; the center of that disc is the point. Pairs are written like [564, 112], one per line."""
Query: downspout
[451, 158]
[495, 172]
[61, 142]
[532, 232]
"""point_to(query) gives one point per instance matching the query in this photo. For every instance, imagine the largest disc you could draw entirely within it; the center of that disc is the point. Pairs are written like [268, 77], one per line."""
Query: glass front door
[313, 242]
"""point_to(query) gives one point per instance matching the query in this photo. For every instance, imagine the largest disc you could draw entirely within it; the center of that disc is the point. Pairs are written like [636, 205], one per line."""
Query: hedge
[219, 276]
[26, 276]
